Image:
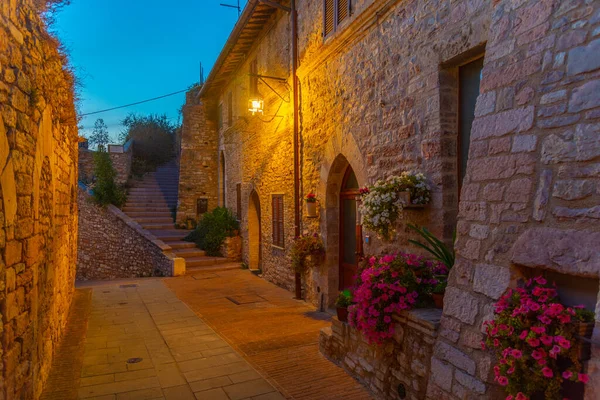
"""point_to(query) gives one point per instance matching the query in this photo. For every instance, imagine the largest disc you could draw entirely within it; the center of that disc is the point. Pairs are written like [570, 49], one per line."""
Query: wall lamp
[256, 103]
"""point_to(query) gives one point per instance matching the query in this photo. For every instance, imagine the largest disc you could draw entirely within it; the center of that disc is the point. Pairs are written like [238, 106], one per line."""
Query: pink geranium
[532, 335]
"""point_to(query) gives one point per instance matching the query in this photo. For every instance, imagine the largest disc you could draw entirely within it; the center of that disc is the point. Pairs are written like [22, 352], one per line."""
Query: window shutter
[328, 16]
[277, 203]
[253, 79]
[343, 10]
[280, 213]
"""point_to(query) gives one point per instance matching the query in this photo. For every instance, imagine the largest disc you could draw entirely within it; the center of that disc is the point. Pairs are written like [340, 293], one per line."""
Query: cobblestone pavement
[142, 342]
[275, 333]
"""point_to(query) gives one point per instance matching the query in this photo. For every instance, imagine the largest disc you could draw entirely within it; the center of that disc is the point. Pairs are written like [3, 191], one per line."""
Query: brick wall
[530, 199]
[112, 245]
[38, 205]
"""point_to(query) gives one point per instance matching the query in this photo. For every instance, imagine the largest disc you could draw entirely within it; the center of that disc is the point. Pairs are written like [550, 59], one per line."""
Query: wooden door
[348, 256]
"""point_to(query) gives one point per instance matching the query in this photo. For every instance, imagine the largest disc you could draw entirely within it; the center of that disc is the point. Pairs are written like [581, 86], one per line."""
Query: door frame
[345, 194]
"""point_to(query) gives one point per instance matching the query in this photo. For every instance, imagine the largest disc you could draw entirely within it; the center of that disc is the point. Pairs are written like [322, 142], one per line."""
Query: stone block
[441, 374]
[470, 382]
[585, 96]
[460, 305]
[577, 214]
[542, 195]
[584, 58]
[567, 251]
[502, 123]
[578, 144]
[524, 143]
[574, 189]
[446, 352]
[486, 104]
[491, 280]
[553, 97]
[13, 252]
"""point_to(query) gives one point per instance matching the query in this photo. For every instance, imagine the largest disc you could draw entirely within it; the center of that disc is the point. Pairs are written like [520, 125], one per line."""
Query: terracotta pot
[405, 196]
[311, 209]
[438, 299]
[342, 314]
[584, 329]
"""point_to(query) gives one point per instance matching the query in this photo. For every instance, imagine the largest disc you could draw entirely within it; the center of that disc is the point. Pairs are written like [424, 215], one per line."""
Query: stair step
[156, 226]
[127, 209]
[189, 252]
[180, 244]
[149, 214]
[153, 220]
[205, 261]
[212, 268]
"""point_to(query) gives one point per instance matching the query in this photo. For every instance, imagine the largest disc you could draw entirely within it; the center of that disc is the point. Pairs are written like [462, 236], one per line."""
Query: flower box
[584, 348]
[311, 209]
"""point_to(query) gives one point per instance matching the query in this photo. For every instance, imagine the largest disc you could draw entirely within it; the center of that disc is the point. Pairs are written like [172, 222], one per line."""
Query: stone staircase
[152, 201]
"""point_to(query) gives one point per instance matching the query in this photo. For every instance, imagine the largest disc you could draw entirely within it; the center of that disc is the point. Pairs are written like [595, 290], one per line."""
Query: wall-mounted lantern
[256, 105]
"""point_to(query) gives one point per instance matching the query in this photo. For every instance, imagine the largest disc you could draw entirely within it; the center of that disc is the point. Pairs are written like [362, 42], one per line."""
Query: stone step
[224, 266]
[153, 220]
[170, 235]
[180, 244]
[205, 261]
[149, 204]
[189, 253]
[149, 214]
[157, 226]
[126, 209]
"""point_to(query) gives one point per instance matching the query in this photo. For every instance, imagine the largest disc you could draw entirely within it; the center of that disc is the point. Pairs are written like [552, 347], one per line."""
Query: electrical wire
[133, 104]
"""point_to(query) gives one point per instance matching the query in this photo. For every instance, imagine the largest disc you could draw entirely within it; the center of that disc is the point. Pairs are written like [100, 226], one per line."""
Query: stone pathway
[277, 334]
[142, 342]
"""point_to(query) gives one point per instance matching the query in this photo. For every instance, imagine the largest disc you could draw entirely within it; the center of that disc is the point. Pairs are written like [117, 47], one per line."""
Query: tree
[106, 191]
[100, 136]
[154, 140]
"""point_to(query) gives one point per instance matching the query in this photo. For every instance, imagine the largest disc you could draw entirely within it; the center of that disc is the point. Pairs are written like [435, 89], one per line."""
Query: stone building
[38, 197]
[495, 101]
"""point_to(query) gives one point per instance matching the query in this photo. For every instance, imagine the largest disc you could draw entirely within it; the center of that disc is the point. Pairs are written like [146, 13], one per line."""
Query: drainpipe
[294, 16]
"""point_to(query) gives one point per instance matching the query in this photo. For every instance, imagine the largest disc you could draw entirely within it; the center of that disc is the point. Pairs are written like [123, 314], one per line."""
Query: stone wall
[232, 248]
[404, 361]
[530, 199]
[111, 245]
[38, 205]
[197, 160]
[121, 162]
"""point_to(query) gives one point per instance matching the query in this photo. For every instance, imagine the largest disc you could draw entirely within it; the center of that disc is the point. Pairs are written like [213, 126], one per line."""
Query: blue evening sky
[131, 50]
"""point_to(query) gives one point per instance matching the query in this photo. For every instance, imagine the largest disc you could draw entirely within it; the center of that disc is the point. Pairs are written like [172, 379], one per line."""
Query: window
[469, 76]
[229, 109]
[220, 116]
[334, 13]
[238, 192]
[253, 79]
[277, 201]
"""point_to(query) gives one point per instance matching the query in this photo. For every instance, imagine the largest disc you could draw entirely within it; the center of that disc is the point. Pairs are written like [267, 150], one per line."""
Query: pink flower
[502, 380]
[567, 374]
[538, 329]
[516, 353]
[533, 342]
[511, 370]
[544, 319]
[547, 340]
[547, 372]
[387, 319]
[583, 378]
[521, 396]
[538, 354]
[540, 280]
[524, 334]
[555, 351]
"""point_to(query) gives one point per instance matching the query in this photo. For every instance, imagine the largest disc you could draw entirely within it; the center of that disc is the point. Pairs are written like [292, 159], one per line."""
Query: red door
[348, 257]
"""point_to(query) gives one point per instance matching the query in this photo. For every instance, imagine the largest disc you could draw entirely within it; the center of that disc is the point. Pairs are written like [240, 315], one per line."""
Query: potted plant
[382, 204]
[311, 205]
[438, 292]
[535, 340]
[342, 303]
[304, 246]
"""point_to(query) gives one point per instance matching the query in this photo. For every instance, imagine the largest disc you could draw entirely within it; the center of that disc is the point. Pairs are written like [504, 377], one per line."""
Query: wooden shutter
[343, 10]
[328, 16]
[277, 202]
[238, 190]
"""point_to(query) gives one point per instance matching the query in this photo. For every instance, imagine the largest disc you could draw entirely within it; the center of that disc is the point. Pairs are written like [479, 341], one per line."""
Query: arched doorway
[348, 259]
[254, 232]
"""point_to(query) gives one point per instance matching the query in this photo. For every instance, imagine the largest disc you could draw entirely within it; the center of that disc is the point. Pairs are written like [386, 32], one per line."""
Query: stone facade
[197, 160]
[38, 204]
[404, 361]
[533, 178]
[381, 95]
[111, 245]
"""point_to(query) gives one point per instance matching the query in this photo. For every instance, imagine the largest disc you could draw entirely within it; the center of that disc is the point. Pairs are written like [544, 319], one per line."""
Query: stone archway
[254, 232]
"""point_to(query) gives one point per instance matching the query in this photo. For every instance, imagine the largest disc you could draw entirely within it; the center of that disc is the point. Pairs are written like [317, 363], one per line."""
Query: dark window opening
[334, 13]
[469, 77]
[253, 79]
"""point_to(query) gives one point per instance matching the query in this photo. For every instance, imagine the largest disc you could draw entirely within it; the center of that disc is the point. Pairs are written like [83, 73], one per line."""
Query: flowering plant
[311, 198]
[533, 337]
[387, 285]
[304, 246]
[382, 204]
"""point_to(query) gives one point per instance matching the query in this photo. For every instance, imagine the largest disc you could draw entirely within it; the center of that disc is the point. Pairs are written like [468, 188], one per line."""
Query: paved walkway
[144, 343]
[277, 334]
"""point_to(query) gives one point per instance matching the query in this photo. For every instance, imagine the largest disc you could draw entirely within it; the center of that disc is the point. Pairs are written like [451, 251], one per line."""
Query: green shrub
[212, 230]
[106, 191]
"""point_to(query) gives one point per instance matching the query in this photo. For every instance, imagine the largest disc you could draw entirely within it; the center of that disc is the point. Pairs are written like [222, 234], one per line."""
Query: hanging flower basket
[311, 205]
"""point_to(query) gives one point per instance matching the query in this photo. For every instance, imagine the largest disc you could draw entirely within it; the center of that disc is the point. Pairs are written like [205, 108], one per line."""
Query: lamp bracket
[275, 78]
[275, 5]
